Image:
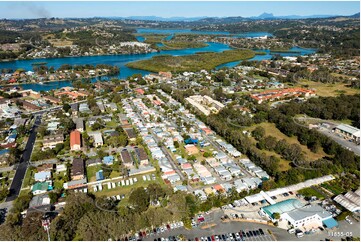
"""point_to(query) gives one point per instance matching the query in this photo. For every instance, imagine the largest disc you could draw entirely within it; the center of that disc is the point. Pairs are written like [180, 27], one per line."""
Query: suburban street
[23, 163]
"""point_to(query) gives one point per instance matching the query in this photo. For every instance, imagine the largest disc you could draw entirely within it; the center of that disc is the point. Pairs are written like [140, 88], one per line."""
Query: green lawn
[126, 189]
[90, 172]
[58, 180]
[29, 178]
[112, 124]
[309, 192]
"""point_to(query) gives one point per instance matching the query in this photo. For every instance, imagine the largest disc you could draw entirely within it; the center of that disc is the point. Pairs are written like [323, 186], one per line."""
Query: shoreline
[72, 56]
[46, 82]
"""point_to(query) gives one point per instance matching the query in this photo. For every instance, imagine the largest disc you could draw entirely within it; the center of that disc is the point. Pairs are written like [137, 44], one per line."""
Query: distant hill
[356, 15]
[271, 16]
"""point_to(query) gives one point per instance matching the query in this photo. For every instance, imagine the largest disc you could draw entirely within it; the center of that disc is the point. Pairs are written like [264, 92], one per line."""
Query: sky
[30, 9]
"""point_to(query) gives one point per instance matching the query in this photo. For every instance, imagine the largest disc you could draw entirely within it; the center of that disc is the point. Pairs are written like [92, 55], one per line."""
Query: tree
[258, 132]
[77, 205]
[21, 203]
[220, 76]
[276, 215]
[207, 154]
[54, 196]
[139, 199]
[66, 107]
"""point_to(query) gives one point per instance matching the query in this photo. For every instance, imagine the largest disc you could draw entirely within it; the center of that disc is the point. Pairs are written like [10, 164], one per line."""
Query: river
[122, 60]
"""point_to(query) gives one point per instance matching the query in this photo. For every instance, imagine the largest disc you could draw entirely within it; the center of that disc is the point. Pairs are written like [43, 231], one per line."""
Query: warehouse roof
[347, 128]
[307, 211]
[282, 207]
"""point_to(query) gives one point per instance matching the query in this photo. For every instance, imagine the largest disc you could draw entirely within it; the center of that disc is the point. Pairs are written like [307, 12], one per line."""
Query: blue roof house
[108, 160]
[99, 175]
[191, 141]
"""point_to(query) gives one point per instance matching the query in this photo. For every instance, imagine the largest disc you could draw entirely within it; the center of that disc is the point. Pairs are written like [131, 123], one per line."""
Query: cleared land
[327, 90]
[196, 62]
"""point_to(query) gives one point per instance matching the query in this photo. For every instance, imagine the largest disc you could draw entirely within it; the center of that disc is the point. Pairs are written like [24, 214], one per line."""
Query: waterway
[122, 60]
[294, 51]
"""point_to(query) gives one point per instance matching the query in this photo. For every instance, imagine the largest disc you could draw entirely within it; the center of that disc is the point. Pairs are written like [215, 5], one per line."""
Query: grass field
[327, 90]
[125, 190]
[272, 130]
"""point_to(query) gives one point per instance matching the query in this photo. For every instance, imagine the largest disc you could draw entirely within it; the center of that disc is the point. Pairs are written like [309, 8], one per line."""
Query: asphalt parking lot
[222, 228]
[265, 237]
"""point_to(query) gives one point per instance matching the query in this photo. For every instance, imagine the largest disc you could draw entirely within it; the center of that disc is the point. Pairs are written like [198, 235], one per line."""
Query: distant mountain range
[265, 16]
[156, 18]
[271, 16]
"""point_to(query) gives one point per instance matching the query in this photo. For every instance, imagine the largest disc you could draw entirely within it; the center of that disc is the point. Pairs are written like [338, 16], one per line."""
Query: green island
[153, 38]
[177, 45]
[284, 51]
[196, 62]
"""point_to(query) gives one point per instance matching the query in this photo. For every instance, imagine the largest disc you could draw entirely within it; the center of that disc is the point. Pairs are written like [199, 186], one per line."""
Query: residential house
[75, 140]
[40, 202]
[77, 185]
[126, 158]
[77, 169]
[130, 133]
[142, 156]
[50, 141]
[40, 188]
[79, 122]
[98, 139]
[99, 175]
[108, 160]
[42, 176]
